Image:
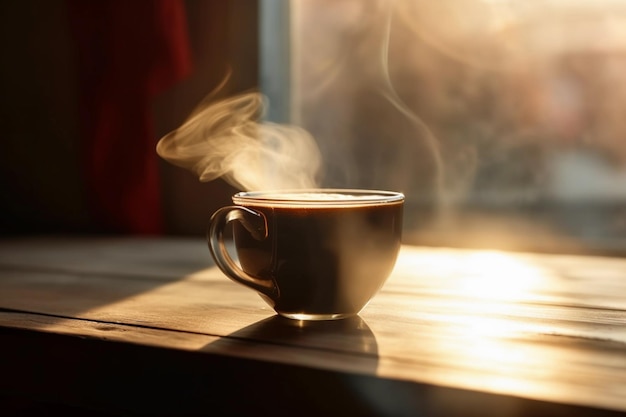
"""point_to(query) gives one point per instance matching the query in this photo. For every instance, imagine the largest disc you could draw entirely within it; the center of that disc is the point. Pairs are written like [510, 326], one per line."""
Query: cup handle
[256, 224]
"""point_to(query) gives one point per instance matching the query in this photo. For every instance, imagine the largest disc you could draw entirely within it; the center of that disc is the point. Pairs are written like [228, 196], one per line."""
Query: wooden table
[137, 326]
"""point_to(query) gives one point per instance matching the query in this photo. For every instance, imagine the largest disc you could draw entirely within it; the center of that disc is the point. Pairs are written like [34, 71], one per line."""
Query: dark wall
[41, 187]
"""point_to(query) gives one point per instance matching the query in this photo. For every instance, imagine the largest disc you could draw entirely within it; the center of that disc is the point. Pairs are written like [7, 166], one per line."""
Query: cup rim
[281, 197]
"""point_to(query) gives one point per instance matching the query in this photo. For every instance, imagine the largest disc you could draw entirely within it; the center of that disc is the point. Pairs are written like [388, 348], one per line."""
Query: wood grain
[541, 327]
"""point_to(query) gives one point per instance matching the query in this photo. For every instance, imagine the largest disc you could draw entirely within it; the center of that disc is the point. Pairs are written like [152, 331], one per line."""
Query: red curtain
[126, 53]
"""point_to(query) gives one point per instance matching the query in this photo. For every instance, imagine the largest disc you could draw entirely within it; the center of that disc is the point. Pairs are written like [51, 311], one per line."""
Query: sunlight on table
[489, 314]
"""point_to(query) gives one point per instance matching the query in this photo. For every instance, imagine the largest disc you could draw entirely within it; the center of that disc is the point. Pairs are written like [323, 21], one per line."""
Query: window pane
[503, 122]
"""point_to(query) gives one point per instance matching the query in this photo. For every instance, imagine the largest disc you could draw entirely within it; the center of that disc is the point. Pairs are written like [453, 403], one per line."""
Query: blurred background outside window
[503, 121]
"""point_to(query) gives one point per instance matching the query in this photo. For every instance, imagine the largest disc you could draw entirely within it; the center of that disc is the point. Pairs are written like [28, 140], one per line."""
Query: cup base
[316, 317]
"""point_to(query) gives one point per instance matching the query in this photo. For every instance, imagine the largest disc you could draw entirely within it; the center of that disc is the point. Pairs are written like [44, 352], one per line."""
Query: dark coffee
[322, 259]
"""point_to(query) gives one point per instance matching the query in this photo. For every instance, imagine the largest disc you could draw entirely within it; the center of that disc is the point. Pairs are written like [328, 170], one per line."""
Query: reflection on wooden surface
[541, 327]
[548, 327]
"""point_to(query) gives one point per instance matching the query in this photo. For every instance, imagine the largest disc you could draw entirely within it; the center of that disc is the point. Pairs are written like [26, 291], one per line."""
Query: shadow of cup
[350, 336]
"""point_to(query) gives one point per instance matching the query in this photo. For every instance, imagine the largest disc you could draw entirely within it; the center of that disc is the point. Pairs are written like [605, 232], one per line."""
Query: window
[503, 122]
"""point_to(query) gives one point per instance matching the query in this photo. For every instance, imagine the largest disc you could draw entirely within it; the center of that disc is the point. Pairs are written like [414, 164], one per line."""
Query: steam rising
[447, 101]
[228, 139]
